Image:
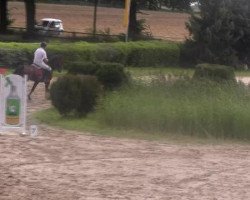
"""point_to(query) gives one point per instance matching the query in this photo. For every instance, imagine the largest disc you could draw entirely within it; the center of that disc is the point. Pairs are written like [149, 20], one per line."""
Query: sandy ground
[163, 25]
[68, 165]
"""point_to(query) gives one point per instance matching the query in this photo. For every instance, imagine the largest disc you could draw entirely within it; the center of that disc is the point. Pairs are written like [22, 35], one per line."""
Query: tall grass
[188, 107]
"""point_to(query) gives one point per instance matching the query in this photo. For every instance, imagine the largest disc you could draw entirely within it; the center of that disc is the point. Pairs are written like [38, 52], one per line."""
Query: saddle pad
[34, 73]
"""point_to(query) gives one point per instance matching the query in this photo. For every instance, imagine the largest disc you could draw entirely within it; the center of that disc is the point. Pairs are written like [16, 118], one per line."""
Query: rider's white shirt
[39, 56]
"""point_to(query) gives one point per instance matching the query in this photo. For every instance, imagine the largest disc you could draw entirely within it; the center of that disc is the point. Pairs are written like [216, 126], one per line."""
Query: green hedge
[214, 72]
[139, 54]
[111, 75]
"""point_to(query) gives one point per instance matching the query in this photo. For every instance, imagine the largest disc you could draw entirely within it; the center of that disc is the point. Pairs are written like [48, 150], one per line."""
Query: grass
[243, 73]
[91, 125]
[175, 71]
[187, 108]
[163, 111]
[147, 71]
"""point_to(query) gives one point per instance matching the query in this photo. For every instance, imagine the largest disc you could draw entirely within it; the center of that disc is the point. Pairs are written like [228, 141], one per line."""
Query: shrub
[75, 94]
[65, 94]
[214, 72]
[89, 93]
[87, 68]
[111, 75]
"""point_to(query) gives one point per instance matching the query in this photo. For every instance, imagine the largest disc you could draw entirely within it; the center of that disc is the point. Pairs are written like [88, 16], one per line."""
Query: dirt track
[75, 18]
[67, 165]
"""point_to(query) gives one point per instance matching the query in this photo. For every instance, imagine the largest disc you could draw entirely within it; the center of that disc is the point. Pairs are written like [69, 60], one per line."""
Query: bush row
[139, 54]
[111, 75]
[77, 92]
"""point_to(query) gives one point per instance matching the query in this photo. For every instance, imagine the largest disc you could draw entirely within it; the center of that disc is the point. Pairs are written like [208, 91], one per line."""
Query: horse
[38, 75]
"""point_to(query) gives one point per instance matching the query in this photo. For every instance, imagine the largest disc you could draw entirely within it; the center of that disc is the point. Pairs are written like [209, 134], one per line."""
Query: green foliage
[131, 53]
[150, 53]
[87, 68]
[14, 54]
[177, 4]
[214, 72]
[111, 75]
[65, 94]
[89, 92]
[200, 108]
[75, 94]
[12, 59]
[110, 53]
[142, 31]
[220, 34]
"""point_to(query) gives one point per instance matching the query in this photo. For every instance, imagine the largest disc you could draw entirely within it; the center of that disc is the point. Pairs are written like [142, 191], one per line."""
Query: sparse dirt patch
[68, 165]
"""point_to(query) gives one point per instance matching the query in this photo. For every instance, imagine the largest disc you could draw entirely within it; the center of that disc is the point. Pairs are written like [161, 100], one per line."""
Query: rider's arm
[45, 60]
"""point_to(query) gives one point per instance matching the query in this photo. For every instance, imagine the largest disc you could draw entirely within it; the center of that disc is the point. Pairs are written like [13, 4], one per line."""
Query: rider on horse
[40, 59]
[39, 71]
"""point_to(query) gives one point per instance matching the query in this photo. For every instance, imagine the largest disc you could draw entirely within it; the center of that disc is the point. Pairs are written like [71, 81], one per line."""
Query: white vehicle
[50, 26]
[195, 6]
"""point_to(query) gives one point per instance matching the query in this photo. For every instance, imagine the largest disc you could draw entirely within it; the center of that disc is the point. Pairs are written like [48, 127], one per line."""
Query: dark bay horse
[40, 75]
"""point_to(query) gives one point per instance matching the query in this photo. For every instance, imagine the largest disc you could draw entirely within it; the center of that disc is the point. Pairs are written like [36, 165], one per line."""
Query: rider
[40, 58]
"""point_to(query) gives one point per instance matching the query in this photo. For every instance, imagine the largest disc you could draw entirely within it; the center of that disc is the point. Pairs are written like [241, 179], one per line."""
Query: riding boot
[46, 75]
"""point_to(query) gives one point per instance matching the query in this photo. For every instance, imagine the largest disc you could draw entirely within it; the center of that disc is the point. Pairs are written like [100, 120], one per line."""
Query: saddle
[36, 74]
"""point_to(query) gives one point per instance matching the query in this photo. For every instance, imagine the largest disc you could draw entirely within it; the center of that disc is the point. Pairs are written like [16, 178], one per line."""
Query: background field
[76, 18]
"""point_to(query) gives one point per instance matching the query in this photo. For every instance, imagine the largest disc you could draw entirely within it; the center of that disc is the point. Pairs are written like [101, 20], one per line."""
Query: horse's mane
[55, 61]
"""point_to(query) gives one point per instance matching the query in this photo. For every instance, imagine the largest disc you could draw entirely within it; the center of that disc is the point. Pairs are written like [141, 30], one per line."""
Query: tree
[95, 16]
[30, 7]
[136, 27]
[133, 23]
[178, 4]
[221, 33]
[3, 16]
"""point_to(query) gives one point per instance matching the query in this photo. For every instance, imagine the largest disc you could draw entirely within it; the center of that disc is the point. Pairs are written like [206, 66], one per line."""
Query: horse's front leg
[32, 89]
[47, 90]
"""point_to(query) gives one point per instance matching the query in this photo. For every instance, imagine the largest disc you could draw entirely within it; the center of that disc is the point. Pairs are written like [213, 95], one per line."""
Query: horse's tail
[19, 71]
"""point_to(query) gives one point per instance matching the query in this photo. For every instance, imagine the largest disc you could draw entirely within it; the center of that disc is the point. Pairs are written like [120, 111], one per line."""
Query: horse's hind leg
[32, 89]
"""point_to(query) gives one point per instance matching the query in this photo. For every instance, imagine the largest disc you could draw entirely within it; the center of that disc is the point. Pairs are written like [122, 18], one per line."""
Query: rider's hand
[49, 69]
[45, 60]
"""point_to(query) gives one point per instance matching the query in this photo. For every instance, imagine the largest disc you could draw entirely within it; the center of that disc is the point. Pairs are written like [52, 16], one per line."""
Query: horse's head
[56, 62]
